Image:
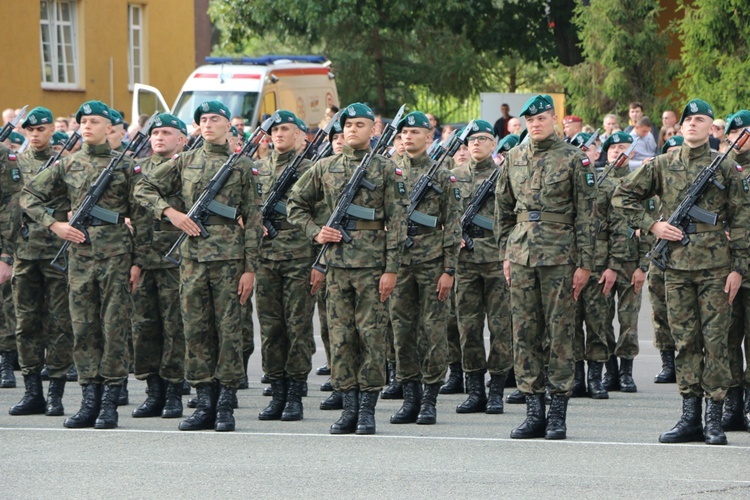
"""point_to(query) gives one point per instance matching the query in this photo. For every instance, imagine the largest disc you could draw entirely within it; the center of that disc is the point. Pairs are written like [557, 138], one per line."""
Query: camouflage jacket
[445, 206]
[469, 177]
[324, 182]
[35, 241]
[291, 243]
[669, 176]
[11, 184]
[69, 180]
[185, 177]
[557, 180]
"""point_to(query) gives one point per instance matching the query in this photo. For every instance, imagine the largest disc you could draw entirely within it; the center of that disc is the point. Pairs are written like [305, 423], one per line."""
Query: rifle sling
[364, 225]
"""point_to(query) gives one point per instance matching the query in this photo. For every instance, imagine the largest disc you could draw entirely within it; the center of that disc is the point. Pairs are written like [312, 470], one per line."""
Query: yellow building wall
[102, 37]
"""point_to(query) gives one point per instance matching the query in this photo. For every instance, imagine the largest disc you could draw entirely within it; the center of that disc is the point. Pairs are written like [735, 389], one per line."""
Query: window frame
[141, 30]
[62, 42]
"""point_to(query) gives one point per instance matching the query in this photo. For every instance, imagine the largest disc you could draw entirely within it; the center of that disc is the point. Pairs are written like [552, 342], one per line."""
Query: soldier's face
[398, 143]
[165, 141]
[338, 143]
[481, 146]
[415, 140]
[234, 142]
[115, 136]
[615, 149]
[284, 137]
[541, 126]
[214, 128]
[570, 129]
[462, 155]
[40, 135]
[357, 132]
[695, 129]
[94, 129]
[592, 154]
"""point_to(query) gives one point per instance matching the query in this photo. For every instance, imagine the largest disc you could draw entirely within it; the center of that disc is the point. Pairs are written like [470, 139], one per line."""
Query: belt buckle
[691, 228]
[535, 216]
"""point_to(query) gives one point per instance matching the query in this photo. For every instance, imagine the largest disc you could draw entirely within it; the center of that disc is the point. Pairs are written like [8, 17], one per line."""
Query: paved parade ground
[611, 451]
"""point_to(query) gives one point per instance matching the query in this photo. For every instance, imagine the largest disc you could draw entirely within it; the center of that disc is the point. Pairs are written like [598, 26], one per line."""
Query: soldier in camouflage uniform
[544, 222]
[481, 289]
[40, 291]
[362, 273]
[158, 338]
[104, 268]
[216, 273]
[10, 188]
[703, 276]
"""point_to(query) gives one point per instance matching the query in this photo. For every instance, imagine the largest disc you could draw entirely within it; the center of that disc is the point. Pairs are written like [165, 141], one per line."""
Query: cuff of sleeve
[48, 220]
[159, 208]
[646, 224]
[391, 262]
[312, 231]
[251, 265]
[740, 266]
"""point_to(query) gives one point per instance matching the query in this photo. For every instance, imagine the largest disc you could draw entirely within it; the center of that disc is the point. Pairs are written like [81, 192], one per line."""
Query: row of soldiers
[553, 225]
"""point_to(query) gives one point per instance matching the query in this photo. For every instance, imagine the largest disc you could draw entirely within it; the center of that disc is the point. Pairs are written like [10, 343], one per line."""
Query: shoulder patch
[255, 171]
[453, 178]
[738, 166]
[12, 156]
[589, 179]
[457, 193]
[586, 162]
[175, 156]
[745, 187]
[399, 171]
[137, 169]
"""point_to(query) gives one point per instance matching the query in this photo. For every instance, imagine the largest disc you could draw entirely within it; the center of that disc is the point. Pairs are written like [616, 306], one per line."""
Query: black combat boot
[495, 397]
[558, 411]
[107, 418]
[72, 374]
[278, 399]
[293, 407]
[510, 379]
[688, 428]
[594, 379]
[732, 418]
[7, 377]
[172, 401]
[244, 383]
[32, 402]
[409, 410]
[193, 402]
[611, 381]
[712, 432]
[204, 415]
[90, 404]
[333, 402]
[267, 391]
[627, 384]
[667, 375]
[185, 388]
[44, 373]
[54, 397]
[579, 380]
[455, 382]
[536, 421]
[477, 400]
[326, 386]
[264, 379]
[394, 389]
[428, 411]
[154, 403]
[747, 409]
[347, 423]
[366, 417]
[225, 410]
[515, 398]
[323, 370]
[124, 397]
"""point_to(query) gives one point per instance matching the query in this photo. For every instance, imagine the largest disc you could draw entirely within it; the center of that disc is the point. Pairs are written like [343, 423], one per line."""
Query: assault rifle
[586, 145]
[688, 208]
[8, 127]
[471, 216]
[344, 207]
[88, 211]
[619, 162]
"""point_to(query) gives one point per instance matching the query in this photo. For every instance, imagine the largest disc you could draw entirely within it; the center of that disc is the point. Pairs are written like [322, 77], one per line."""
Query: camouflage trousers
[420, 323]
[483, 292]
[543, 315]
[657, 295]
[40, 296]
[285, 313]
[390, 350]
[325, 337]
[454, 337]
[158, 339]
[593, 310]
[7, 318]
[100, 310]
[248, 329]
[738, 337]
[628, 307]
[357, 323]
[212, 319]
[700, 316]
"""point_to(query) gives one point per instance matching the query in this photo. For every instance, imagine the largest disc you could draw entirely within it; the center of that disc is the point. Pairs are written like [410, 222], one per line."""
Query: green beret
[213, 108]
[617, 138]
[675, 140]
[283, 116]
[538, 104]
[115, 117]
[696, 107]
[300, 124]
[580, 139]
[415, 119]
[59, 138]
[481, 126]
[356, 110]
[335, 130]
[507, 143]
[163, 120]
[16, 138]
[93, 108]
[38, 116]
[740, 119]
[233, 130]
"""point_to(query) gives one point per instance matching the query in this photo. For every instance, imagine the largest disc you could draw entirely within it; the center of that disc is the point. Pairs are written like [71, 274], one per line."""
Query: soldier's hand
[6, 271]
[328, 235]
[135, 276]
[463, 243]
[734, 282]
[445, 283]
[245, 288]
[130, 225]
[666, 231]
[316, 281]
[182, 221]
[608, 278]
[67, 232]
[506, 270]
[580, 278]
[386, 285]
[639, 278]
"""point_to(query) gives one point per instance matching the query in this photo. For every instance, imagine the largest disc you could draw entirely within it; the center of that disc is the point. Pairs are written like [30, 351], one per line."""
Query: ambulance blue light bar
[265, 60]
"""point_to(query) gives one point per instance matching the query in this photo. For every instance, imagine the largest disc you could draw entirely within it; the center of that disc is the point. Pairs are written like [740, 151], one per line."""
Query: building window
[58, 28]
[135, 45]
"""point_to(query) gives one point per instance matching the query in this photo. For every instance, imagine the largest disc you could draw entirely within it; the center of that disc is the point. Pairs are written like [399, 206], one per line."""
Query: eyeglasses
[481, 139]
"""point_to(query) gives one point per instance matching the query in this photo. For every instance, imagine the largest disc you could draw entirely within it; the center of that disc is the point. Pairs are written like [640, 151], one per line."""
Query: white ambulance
[250, 87]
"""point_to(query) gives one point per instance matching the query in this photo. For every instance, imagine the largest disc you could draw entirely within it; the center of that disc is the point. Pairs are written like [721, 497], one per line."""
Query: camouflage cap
[335, 130]
[675, 140]
[16, 138]
[356, 110]
[617, 138]
[739, 120]
[538, 104]
[211, 108]
[580, 139]
[696, 107]
[163, 120]
[301, 124]
[507, 143]
[38, 116]
[233, 130]
[115, 117]
[59, 138]
[93, 108]
[415, 119]
[481, 127]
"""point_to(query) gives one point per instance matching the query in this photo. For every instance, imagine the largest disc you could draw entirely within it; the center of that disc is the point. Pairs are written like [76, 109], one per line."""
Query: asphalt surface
[611, 451]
